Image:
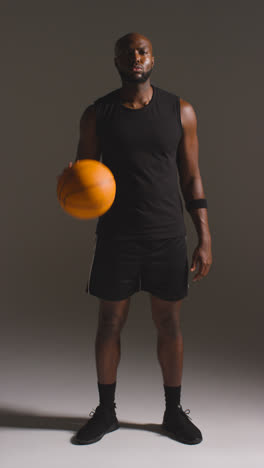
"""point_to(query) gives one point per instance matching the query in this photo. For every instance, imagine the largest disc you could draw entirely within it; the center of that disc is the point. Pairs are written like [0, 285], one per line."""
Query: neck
[136, 92]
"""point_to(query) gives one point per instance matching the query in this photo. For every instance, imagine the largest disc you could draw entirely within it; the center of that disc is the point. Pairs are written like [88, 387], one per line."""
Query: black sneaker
[102, 421]
[178, 424]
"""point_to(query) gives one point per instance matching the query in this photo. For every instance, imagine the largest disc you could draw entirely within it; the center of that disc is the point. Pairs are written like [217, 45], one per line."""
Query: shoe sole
[112, 428]
[181, 439]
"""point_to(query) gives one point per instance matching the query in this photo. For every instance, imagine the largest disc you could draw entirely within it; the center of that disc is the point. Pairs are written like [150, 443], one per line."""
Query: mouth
[136, 69]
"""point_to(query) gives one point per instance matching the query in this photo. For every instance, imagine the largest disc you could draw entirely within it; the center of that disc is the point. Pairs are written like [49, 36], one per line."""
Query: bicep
[88, 145]
[188, 149]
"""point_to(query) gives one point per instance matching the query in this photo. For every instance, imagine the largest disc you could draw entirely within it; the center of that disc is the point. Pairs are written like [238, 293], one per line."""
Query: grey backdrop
[57, 57]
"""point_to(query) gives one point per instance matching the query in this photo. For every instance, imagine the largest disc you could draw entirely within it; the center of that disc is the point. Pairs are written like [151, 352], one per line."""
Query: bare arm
[88, 145]
[189, 172]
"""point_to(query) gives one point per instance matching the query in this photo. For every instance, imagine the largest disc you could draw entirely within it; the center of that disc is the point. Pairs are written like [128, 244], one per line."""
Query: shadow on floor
[31, 420]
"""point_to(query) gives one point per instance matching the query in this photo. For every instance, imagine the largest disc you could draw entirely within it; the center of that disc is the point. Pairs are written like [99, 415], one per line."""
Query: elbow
[187, 183]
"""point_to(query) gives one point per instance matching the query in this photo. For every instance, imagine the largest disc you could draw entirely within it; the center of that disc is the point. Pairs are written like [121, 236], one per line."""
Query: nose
[134, 56]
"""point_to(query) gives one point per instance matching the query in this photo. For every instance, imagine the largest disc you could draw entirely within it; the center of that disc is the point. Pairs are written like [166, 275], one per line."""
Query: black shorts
[122, 267]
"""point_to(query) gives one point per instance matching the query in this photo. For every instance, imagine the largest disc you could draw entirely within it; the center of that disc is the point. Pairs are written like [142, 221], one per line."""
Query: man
[147, 136]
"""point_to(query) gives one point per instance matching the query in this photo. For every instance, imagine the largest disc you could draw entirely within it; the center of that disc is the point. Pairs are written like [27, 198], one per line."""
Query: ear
[153, 61]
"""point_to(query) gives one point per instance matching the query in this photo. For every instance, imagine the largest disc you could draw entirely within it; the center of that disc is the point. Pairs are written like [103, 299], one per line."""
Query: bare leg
[166, 316]
[112, 317]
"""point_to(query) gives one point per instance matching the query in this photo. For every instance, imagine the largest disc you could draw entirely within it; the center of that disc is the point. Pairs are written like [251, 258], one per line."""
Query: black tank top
[140, 148]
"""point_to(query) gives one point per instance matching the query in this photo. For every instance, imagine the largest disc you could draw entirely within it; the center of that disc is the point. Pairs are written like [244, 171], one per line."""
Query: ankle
[107, 394]
[172, 396]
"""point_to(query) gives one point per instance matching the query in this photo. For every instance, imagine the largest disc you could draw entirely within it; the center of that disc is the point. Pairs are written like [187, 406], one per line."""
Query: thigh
[164, 270]
[166, 314]
[115, 271]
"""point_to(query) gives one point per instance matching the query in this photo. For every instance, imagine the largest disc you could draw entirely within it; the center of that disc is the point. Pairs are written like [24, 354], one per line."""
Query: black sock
[172, 396]
[107, 394]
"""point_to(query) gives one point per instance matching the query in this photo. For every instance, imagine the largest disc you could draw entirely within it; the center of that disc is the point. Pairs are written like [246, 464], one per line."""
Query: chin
[133, 79]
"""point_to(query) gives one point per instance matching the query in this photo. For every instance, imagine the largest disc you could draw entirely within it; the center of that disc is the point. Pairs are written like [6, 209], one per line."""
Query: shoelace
[186, 412]
[99, 408]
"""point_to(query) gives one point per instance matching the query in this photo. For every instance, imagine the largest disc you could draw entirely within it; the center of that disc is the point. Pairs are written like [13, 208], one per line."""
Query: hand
[69, 166]
[202, 255]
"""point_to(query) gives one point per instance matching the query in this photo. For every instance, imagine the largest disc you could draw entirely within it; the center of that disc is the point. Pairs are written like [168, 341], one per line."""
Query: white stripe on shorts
[92, 262]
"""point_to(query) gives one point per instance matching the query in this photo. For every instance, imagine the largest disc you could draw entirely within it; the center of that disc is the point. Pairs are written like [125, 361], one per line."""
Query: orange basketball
[87, 189]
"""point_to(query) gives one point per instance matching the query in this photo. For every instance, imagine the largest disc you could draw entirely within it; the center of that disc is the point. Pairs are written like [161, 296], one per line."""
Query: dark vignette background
[56, 58]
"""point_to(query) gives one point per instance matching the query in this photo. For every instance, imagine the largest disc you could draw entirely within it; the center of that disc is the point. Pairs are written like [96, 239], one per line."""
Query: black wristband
[198, 203]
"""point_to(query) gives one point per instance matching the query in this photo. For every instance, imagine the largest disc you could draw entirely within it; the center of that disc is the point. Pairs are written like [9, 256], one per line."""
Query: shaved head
[130, 50]
[123, 41]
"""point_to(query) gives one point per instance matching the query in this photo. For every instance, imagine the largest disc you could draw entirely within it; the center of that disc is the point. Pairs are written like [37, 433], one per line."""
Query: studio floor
[43, 407]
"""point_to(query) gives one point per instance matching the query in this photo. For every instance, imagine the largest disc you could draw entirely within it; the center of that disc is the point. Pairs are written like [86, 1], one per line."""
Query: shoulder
[90, 112]
[107, 98]
[188, 114]
[169, 95]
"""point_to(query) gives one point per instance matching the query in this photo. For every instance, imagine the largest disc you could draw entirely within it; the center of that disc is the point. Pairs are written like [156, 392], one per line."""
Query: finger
[198, 274]
[193, 266]
[201, 273]
[207, 268]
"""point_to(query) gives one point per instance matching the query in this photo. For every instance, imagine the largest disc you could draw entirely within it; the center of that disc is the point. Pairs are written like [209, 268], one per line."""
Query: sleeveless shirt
[140, 147]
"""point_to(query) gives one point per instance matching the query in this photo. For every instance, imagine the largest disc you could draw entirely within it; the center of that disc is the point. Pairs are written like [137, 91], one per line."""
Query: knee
[110, 325]
[168, 327]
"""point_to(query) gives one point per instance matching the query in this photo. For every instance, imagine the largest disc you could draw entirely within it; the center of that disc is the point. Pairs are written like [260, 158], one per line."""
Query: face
[134, 60]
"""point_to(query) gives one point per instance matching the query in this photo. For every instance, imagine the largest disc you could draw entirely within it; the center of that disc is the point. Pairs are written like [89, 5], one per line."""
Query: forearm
[193, 191]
